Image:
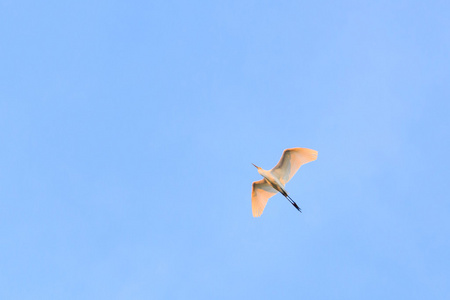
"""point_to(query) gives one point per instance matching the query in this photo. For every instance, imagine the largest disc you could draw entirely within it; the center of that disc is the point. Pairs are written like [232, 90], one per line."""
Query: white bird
[274, 180]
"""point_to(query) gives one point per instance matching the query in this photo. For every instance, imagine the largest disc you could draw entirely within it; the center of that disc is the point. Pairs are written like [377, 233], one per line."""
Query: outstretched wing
[261, 192]
[291, 160]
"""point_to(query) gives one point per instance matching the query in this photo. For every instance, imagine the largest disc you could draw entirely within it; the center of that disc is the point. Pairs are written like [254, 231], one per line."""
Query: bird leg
[292, 202]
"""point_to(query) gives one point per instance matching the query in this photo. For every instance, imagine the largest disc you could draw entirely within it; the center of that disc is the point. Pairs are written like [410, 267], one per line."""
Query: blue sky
[128, 131]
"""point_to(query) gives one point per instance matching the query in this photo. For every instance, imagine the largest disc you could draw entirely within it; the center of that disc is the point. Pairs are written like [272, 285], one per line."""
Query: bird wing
[261, 192]
[291, 160]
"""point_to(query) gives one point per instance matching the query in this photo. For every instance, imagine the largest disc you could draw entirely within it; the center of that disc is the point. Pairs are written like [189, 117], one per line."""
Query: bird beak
[255, 166]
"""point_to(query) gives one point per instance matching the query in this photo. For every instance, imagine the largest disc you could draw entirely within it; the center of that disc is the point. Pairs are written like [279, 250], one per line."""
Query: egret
[274, 180]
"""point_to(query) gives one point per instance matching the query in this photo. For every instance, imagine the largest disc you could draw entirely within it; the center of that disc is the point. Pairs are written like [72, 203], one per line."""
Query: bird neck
[261, 171]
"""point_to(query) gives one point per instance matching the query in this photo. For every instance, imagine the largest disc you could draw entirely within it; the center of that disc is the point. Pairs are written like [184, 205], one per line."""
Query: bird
[275, 179]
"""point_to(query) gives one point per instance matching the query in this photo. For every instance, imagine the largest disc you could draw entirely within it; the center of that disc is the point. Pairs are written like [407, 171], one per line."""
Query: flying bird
[274, 180]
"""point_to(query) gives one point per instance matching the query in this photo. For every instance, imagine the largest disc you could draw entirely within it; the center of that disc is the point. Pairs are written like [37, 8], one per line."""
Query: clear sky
[128, 129]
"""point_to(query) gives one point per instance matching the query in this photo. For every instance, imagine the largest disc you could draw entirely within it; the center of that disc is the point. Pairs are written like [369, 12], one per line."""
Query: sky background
[128, 129]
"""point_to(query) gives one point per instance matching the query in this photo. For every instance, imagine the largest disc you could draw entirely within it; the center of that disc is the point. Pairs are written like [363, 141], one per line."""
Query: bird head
[260, 170]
